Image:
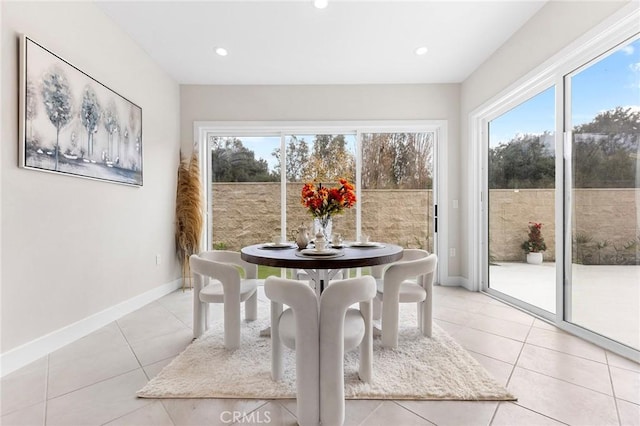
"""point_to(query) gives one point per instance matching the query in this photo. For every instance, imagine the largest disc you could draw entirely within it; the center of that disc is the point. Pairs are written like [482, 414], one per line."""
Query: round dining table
[322, 267]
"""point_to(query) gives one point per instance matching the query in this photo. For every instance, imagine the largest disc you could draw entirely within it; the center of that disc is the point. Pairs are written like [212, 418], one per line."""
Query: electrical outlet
[157, 259]
[452, 252]
[455, 204]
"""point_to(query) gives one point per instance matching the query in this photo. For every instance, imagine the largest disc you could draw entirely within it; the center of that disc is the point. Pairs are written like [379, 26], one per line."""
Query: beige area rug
[419, 369]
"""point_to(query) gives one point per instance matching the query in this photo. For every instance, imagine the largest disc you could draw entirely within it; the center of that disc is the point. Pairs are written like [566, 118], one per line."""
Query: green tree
[605, 150]
[231, 161]
[523, 162]
[616, 121]
[329, 160]
[397, 160]
[604, 153]
[297, 158]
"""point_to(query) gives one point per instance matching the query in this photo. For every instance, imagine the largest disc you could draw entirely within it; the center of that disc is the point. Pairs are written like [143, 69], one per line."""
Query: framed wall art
[73, 124]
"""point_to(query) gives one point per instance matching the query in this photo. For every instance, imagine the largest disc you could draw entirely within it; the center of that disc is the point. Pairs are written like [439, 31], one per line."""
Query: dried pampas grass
[188, 212]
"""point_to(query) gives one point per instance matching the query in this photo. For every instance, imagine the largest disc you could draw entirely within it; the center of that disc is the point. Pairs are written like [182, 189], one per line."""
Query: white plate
[277, 246]
[367, 244]
[325, 252]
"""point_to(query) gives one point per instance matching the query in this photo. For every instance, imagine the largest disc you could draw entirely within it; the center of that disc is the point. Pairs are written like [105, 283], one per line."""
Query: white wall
[554, 27]
[333, 103]
[74, 247]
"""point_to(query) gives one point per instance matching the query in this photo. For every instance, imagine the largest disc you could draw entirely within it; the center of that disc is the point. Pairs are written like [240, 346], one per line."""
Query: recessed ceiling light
[221, 51]
[320, 4]
[421, 50]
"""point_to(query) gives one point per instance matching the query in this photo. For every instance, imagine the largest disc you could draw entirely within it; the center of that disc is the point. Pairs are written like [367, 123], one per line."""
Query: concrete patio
[604, 298]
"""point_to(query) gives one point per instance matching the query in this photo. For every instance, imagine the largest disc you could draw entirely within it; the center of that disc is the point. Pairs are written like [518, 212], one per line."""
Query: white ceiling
[292, 42]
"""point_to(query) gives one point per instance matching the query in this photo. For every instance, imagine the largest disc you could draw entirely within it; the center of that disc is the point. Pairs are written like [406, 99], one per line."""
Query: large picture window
[255, 182]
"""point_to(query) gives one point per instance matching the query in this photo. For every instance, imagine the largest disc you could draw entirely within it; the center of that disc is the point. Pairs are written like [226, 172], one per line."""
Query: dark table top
[353, 257]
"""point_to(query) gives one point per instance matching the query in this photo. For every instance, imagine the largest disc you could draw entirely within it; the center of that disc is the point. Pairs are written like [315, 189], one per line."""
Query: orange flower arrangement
[324, 202]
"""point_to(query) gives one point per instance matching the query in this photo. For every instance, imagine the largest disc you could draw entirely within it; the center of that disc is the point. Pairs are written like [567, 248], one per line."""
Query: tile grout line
[566, 381]
[94, 383]
[629, 369]
[104, 379]
[265, 402]
[567, 353]
[398, 403]
[488, 356]
[174, 314]
[167, 411]
[613, 389]
[46, 392]
[533, 411]
[131, 349]
[395, 402]
[141, 366]
[134, 352]
[495, 334]
[515, 364]
[127, 413]
[287, 410]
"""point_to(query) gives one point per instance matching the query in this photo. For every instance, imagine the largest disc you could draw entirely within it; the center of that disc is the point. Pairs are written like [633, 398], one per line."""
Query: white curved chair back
[334, 303]
[417, 264]
[223, 267]
[226, 273]
[413, 254]
[304, 304]
[377, 271]
[232, 257]
[413, 264]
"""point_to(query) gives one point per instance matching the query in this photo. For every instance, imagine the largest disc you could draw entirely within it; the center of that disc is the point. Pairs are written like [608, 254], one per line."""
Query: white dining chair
[409, 280]
[217, 279]
[297, 328]
[320, 337]
[342, 329]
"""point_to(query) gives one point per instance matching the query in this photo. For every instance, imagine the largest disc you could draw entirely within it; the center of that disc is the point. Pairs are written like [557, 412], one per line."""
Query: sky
[608, 83]
[264, 146]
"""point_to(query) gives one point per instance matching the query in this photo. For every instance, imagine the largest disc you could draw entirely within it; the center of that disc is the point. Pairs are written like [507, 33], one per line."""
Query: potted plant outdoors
[535, 245]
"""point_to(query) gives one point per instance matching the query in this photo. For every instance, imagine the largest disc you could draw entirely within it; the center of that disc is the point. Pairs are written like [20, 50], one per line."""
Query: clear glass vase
[323, 224]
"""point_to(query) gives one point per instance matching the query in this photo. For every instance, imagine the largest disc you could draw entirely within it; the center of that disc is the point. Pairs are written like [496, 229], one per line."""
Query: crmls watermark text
[242, 417]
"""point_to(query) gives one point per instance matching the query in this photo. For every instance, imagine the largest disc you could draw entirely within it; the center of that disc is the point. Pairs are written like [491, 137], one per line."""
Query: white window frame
[621, 26]
[205, 129]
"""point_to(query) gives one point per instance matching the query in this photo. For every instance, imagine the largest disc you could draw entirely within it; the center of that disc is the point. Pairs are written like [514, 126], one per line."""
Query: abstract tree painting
[73, 124]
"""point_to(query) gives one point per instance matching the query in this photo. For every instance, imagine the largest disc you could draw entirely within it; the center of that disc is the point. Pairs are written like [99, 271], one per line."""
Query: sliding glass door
[398, 170]
[562, 179]
[603, 188]
[521, 210]
[323, 158]
[240, 167]
[254, 180]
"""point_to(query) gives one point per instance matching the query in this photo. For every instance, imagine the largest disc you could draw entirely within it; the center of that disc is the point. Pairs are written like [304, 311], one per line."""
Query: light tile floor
[558, 378]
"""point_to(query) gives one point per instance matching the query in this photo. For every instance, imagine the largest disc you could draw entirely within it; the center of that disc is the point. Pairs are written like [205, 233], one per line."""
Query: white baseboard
[16, 358]
[457, 281]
